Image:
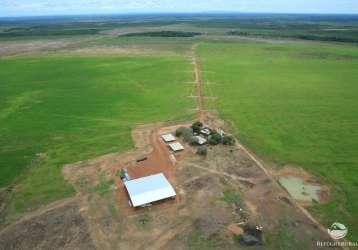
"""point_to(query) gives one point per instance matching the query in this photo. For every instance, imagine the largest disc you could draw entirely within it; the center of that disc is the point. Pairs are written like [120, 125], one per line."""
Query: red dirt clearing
[158, 161]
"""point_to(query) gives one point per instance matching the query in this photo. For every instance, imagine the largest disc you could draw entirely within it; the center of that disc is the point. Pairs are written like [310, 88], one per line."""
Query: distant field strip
[74, 108]
[293, 104]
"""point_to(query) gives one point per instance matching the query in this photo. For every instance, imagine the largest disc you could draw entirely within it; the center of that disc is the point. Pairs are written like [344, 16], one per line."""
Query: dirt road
[198, 83]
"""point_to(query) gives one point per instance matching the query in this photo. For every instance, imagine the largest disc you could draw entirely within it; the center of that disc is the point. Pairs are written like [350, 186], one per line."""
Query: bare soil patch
[11, 48]
[59, 228]
[111, 51]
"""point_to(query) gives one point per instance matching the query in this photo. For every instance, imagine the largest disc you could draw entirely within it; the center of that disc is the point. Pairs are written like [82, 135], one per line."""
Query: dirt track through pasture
[198, 83]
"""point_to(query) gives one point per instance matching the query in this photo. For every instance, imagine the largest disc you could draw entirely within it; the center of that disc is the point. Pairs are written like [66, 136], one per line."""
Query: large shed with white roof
[149, 189]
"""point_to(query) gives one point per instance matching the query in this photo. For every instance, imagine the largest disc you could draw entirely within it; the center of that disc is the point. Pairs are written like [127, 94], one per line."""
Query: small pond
[299, 189]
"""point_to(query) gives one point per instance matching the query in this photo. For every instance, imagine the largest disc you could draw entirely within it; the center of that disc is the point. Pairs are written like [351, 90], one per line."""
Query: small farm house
[168, 137]
[176, 146]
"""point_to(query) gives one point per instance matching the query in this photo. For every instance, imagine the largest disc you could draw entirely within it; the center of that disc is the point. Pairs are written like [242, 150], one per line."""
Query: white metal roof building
[176, 146]
[201, 140]
[205, 131]
[168, 138]
[149, 189]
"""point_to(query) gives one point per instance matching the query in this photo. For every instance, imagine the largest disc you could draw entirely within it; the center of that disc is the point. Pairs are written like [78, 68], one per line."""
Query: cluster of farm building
[145, 191]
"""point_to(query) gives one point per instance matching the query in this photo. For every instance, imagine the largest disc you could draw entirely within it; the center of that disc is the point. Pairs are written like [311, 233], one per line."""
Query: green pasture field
[293, 104]
[74, 108]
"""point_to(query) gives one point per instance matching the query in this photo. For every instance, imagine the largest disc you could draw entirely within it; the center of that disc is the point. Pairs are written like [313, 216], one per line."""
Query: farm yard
[209, 197]
[247, 115]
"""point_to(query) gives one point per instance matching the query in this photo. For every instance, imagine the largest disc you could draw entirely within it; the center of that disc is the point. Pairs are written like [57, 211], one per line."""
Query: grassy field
[74, 108]
[293, 104]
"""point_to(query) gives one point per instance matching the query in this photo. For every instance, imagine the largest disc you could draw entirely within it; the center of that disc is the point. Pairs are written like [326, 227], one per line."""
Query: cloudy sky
[55, 7]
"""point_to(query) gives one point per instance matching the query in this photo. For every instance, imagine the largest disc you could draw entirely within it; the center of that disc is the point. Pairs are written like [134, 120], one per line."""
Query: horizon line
[177, 13]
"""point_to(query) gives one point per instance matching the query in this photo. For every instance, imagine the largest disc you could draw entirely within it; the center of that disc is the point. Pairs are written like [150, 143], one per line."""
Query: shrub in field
[193, 141]
[215, 138]
[228, 140]
[188, 136]
[183, 132]
[196, 126]
[179, 131]
[121, 174]
[202, 151]
[214, 132]
[237, 238]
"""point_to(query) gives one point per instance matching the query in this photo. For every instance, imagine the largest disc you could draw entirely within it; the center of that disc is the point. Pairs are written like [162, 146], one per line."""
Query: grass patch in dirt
[143, 221]
[113, 210]
[293, 104]
[282, 239]
[196, 240]
[104, 187]
[231, 196]
[75, 108]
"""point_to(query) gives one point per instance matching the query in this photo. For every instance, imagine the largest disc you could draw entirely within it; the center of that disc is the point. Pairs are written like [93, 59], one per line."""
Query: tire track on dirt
[234, 177]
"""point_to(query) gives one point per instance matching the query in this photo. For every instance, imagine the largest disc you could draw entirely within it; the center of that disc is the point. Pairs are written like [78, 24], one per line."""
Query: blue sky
[56, 7]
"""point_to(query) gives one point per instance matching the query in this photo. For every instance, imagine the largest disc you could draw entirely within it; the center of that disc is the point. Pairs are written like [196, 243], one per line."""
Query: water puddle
[299, 189]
